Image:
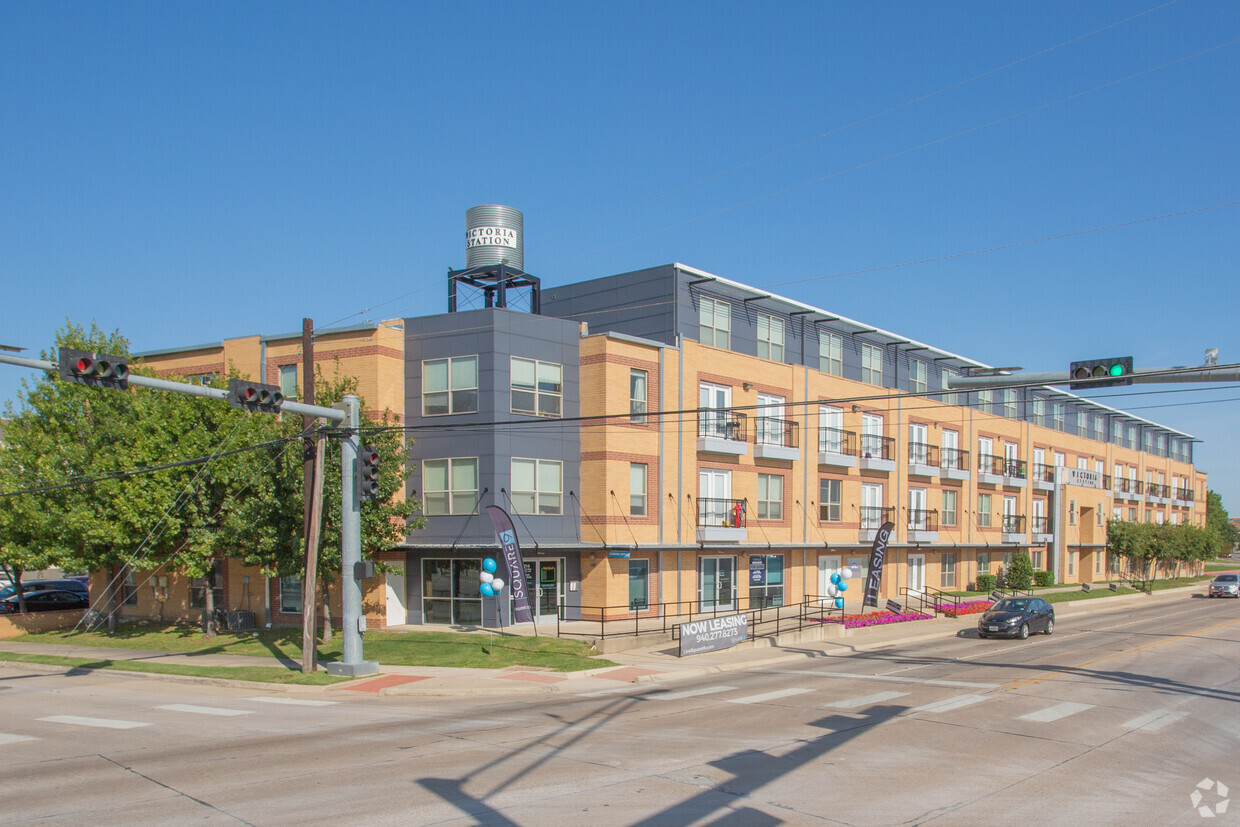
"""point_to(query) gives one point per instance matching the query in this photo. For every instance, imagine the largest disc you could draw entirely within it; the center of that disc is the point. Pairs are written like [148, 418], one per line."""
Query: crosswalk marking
[6, 738]
[886, 678]
[768, 696]
[951, 703]
[102, 723]
[866, 700]
[1156, 720]
[690, 693]
[205, 710]
[268, 699]
[1054, 713]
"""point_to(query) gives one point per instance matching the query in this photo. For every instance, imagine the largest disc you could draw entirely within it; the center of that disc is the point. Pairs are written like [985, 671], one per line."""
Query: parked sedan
[1225, 585]
[1017, 617]
[68, 584]
[48, 600]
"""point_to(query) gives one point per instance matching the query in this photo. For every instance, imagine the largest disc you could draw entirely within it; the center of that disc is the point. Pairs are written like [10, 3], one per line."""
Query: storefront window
[766, 580]
[450, 592]
[639, 585]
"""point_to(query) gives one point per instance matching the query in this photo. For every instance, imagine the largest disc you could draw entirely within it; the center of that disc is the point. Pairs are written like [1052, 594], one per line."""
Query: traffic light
[1101, 373]
[254, 396]
[367, 472]
[98, 370]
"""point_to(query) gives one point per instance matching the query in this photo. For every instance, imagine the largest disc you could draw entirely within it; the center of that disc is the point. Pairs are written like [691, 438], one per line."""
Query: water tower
[494, 262]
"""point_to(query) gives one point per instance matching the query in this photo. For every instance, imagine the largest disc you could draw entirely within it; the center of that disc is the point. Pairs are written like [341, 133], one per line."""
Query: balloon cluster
[491, 585]
[839, 585]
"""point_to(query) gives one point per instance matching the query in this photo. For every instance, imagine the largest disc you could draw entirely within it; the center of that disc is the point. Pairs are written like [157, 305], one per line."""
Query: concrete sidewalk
[655, 663]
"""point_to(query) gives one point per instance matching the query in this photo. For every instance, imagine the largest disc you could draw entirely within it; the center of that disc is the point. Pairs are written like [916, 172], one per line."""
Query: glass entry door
[717, 584]
[542, 578]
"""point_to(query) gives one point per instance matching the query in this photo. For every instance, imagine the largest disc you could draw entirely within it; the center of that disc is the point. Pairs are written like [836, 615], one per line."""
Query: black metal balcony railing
[721, 513]
[836, 441]
[1043, 472]
[1185, 494]
[1158, 489]
[921, 519]
[722, 423]
[1013, 523]
[991, 464]
[779, 432]
[1106, 481]
[874, 446]
[956, 459]
[1015, 468]
[1137, 486]
[1041, 525]
[1124, 485]
[873, 516]
[921, 453]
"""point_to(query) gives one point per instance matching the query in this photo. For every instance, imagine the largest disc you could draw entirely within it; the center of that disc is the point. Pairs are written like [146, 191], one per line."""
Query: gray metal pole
[352, 619]
[1144, 376]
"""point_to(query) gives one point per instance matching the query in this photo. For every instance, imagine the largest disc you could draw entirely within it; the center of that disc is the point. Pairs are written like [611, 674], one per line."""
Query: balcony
[1014, 472]
[1043, 477]
[1126, 489]
[872, 519]
[722, 431]
[776, 439]
[923, 525]
[721, 521]
[1013, 528]
[837, 448]
[990, 469]
[1183, 497]
[1043, 531]
[954, 464]
[876, 453]
[923, 459]
[1156, 492]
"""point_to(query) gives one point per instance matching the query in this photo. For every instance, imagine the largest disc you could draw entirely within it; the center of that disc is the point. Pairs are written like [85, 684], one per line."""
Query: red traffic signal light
[254, 396]
[94, 369]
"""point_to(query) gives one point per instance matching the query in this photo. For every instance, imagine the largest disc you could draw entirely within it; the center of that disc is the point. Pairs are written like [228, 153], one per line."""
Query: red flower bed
[970, 608]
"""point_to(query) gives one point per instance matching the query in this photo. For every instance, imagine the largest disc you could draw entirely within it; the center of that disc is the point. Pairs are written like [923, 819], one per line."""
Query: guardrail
[665, 618]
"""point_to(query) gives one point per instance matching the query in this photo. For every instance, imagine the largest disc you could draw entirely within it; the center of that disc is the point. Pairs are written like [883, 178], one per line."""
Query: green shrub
[1019, 573]
[1043, 578]
[987, 582]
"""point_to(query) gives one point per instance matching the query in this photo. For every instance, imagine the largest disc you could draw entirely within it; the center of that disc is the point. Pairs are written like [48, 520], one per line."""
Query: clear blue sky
[186, 172]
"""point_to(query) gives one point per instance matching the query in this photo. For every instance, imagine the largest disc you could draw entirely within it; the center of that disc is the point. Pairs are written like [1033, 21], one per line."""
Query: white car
[1225, 585]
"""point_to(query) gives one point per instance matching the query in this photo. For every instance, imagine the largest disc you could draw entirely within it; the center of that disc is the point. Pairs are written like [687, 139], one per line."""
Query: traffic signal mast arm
[1142, 376]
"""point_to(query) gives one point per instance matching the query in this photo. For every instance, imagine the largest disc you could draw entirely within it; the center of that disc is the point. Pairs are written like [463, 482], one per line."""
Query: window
[872, 364]
[916, 376]
[983, 562]
[947, 569]
[1071, 512]
[770, 497]
[1071, 563]
[1149, 443]
[129, 589]
[450, 592]
[947, 376]
[198, 588]
[1037, 560]
[1057, 413]
[1098, 429]
[1098, 562]
[449, 486]
[1162, 445]
[537, 486]
[872, 442]
[637, 489]
[829, 501]
[715, 322]
[637, 396]
[830, 353]
[766, 580]
[1081, 423]
[770, 337]
[639, 585]
[1117, 432]
[1132, 515]
[986, 401]
[288, 381]
[983, 511]
[1010, 408]
[537, 387]
[290, 595]
[1098, 512]
[208, 379]
[871, 505]
[450, 386]
[1039, 412]
[918, 514]
[830, 430]
[1132, 436]
[949, 508]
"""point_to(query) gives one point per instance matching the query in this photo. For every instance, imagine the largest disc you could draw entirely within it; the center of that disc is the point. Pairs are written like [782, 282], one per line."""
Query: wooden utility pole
[311, 453]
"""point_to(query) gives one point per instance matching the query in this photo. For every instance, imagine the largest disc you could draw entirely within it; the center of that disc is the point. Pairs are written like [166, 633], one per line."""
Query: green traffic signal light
[1116, 370]
[1100, 373]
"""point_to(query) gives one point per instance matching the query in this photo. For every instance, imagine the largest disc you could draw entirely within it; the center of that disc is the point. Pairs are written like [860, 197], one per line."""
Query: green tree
[1223, 535]
[1019, 573]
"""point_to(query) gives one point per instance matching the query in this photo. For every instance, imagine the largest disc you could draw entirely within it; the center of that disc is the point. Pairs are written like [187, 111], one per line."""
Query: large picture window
[715, 322]
[449, 486]
[450, 592]
[537, 387]
[450, 386]
[537, 486]
[766, 580]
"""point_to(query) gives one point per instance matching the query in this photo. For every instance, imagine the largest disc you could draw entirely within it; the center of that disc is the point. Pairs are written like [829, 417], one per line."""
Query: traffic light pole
[350, 508]
[1144, 376]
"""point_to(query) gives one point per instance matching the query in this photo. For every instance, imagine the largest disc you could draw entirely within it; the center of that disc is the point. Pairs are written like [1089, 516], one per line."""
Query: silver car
[1225, 585]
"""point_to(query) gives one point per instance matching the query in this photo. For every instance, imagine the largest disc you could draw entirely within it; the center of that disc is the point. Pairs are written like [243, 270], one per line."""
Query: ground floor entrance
[545, 587]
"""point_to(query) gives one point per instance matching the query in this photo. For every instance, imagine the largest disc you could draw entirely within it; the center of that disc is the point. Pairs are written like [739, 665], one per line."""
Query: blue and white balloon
[839, 602]
[843, 586]
[489, 566]
[497, 585]
[486, 576]
[835, 578]
[487, 590]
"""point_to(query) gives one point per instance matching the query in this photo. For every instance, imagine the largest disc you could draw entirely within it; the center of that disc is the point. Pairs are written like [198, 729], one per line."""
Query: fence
[665, 618]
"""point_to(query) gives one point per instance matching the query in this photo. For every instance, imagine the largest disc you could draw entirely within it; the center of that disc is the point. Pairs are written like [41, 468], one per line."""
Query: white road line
[205, 710]
[689, 693]
[769, 696]
[102, 723]
[887, 678]
[951, 703]
[615, 690]
[6, 738]
[272, 699]
[1054, 713]
[1156, 720]
[867, 700]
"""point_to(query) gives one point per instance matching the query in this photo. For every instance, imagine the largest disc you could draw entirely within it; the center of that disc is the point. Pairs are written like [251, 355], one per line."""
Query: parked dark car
[45, 600]
[1225, 585]
[68, 584]
[1017, 617]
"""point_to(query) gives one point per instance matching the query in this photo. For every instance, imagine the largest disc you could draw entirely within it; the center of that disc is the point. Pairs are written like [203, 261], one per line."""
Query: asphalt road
[1117, 718]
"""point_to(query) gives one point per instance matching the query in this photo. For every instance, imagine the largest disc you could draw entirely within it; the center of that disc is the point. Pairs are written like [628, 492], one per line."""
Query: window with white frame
[983, 511]
[714, 322]
[917, 376]
[537, 387]
[1039, 412]
[1082, 423]
[830, 429]
[770, 497]
[1117, 432]
[288, 382]
[637, 489]
[872, 364]
[1010, 408]
[947, 570]
[830, 501]
[1132, 436]
[871, 505]
[830, 353]
[948, 517]
[449, 486]
[537, 486]
[986, 401]
[770, 337]
[946, 379]
[450, 386]
[1099, 432]
[918, 513]
[1057, 413]
[637, 396]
